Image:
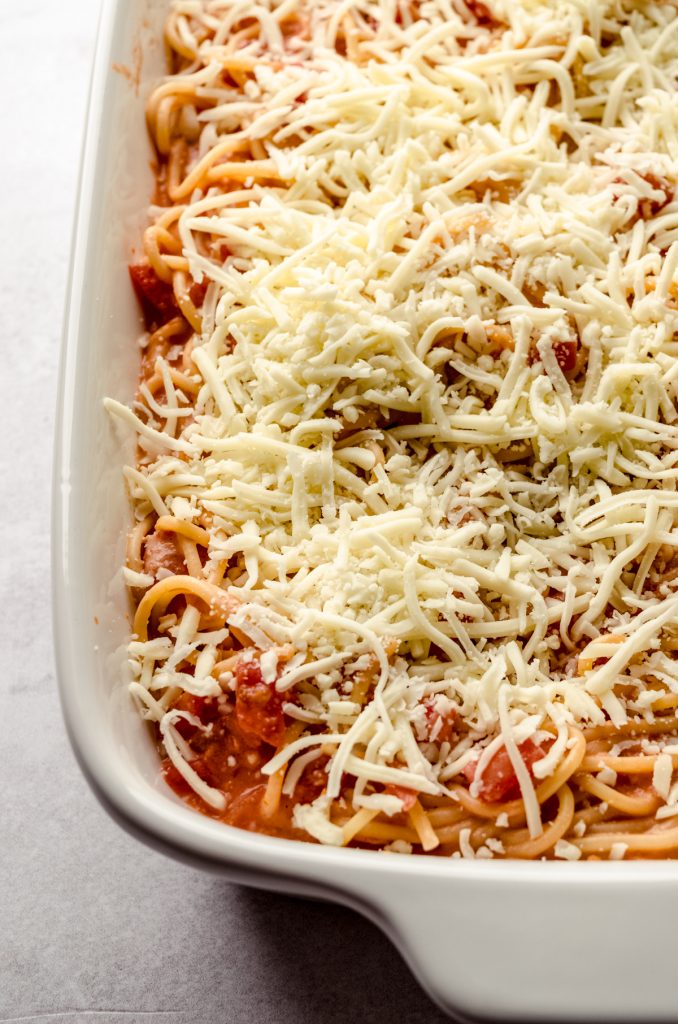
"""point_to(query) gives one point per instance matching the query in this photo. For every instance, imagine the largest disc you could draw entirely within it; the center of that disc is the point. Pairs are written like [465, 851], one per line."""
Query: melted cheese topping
[387, 441]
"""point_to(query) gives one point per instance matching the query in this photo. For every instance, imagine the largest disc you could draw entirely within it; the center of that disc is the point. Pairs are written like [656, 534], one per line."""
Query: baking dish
[493, 940]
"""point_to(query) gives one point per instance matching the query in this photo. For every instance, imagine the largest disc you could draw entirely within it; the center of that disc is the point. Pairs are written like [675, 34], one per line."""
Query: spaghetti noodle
[404, 563]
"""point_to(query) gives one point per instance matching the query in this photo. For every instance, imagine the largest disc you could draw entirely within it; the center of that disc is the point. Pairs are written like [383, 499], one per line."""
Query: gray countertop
[92, 924]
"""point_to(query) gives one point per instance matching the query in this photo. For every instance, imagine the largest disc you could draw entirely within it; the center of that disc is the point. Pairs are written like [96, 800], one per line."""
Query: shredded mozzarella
[389, 441]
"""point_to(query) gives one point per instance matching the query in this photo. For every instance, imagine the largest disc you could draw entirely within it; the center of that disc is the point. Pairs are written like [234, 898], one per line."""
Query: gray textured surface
[92, 925]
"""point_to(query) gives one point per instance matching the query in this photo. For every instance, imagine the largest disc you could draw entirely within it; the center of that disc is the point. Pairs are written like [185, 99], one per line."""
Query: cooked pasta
[404, 562]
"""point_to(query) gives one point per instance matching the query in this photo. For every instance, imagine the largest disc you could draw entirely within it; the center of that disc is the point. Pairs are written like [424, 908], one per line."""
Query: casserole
[457, 923]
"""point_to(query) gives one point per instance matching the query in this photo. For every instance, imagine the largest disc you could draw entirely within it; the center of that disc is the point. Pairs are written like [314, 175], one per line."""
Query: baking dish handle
[503, 945]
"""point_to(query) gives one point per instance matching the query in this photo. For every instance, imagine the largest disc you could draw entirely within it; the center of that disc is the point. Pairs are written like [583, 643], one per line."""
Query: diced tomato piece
[440, 724]
[408, 796]
[499, 781]
[566, 354]
[156, 296]
[258, 705]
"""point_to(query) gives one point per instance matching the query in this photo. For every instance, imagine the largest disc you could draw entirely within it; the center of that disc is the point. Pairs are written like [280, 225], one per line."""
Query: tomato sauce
[231, 762]
[499, 781]
[566, 355]
[258, 705]
[440, 725]
[243, 733]
[244, 788]
[155, 295]
[408, 796]
[481, 12]
[649, 206]
[243, 730]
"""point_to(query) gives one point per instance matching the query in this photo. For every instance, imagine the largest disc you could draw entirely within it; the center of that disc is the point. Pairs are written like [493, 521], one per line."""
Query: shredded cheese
[436, 382]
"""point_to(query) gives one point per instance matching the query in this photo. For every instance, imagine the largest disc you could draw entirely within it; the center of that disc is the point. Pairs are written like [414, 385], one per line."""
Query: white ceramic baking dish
[493, 940]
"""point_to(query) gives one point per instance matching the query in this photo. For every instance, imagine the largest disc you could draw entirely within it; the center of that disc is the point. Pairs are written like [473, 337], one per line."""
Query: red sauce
[196, 293]
[440, 726]
[499, 781]
[229, 757]
[155, 295]
[204, 708]
[258, 705]
[408, 796]
[650, 206]
[243, 789]
[566, 354]
[481, 12]
[313, 781]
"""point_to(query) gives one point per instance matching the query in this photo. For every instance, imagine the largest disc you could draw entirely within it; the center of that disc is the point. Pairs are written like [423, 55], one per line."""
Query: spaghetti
[404, 562]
